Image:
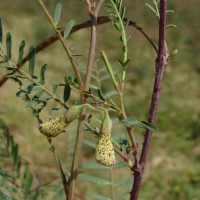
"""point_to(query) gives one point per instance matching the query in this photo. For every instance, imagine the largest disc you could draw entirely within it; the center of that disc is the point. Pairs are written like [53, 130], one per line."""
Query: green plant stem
[129, 129]
[124, 39]
[157, 10]
[62, 174]
[112, 184]
[78, 76]
[75, 162]
[122, 107]
[122, 85]
[79, 138]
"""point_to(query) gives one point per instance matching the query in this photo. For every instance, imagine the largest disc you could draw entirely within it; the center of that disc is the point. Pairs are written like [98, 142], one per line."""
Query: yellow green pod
[106, 125]
[73, 112]
[53, 127]
[104, 153]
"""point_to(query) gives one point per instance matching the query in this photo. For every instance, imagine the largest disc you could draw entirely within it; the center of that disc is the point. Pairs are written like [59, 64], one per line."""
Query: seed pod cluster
[104, 153]
[53, 127]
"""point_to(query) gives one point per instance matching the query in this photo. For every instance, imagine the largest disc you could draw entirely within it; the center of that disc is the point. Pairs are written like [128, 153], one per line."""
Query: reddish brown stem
[79, 138]
[161, 63]
[87, 24]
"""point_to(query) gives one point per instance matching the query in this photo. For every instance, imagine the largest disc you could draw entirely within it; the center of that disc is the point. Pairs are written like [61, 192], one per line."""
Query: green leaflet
[7, 190]
[68, 28]
[89, 143]
[31, 60]
[151, 8]
[9, 45]
[97, 196]
[27, 181]
[147, 125]
[21, 52]
[57, 13]
[67, 92]
[130, 121]
[120, 165]
[124, 182]
[42, 72]
[124, 195]
[110, 94]
[89, 165]
[93, 179]
[54, 88]
[171, 26]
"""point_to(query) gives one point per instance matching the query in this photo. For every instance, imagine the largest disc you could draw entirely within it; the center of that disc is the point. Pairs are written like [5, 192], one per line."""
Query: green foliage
[31, 60]
[93, 179]
[34, 93]
[171, 26]
[8, 45]
[15, 179]
[130, 122]
[21, 52]
[57, 13]
[116, 12]
[142, 124]
[42, 75]
[88, 166]
[97, 196]
[68, 28]
[67, 92]
[147, 125]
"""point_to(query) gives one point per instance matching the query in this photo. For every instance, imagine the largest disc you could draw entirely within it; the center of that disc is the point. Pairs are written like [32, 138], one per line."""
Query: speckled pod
[53, 127]
[105, 154]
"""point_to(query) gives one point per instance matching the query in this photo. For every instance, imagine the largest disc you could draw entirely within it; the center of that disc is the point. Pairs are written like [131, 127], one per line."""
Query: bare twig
[143, 32]
[100, 20]
[79, 139]
[121, 154]
[161, 63]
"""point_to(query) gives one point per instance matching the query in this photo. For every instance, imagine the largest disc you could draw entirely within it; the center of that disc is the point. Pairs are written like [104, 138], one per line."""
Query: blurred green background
[173, 169]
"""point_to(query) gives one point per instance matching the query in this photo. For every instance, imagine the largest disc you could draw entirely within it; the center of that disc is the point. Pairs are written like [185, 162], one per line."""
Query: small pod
[105, 153]
[74, 111]
[106, 126]
[53, 127]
